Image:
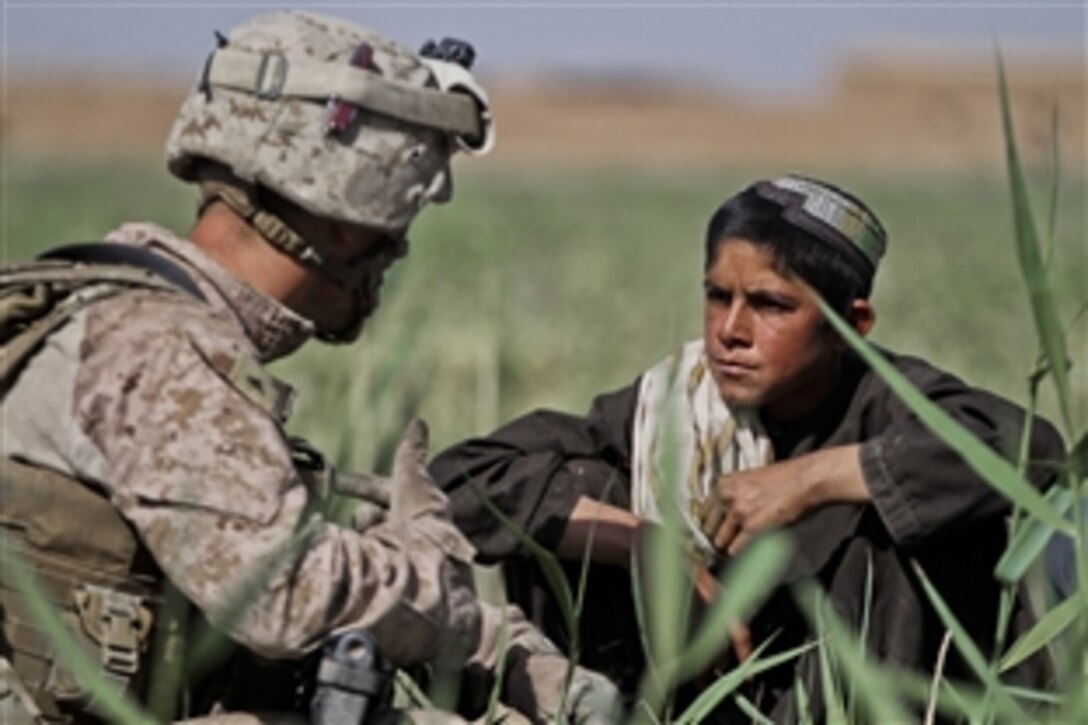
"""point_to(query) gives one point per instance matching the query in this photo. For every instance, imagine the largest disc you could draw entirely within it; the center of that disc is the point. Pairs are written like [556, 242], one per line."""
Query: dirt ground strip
[878, 113]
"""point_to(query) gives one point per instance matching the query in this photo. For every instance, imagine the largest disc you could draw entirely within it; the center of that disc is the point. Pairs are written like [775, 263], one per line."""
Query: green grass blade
[1016, 520]
[1030, 695]
[663, 580]
[996, 470]
[1049, 626]
[1040, 295]
[1055, 177]
[833, 700]
[800, 695]
[970, 651]
[576, 636]
[168, 660]
[669, 569]
[653, 685]
[444, 687]
[670, 587]
[724, 685]
[958, 701]
[500, 666]
[410, 690]
[1076, 704]
[662, 591]
[863, 631]
[751, 710]
[549, 564]
[877, 694]
[955, 702]
[108, 700]
[1078, 459]
[1031, 538]
[744, 585]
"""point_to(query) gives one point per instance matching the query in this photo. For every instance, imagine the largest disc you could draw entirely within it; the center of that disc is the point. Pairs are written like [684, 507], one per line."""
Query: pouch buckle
[117, 622]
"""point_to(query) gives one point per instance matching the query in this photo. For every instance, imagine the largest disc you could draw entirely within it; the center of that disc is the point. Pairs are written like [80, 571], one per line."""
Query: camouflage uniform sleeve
[206, 477]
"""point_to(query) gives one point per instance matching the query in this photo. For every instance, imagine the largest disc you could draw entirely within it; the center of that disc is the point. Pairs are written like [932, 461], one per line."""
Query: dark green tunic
[927, 504]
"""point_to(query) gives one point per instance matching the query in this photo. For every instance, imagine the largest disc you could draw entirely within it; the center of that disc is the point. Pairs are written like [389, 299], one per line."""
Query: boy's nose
[736, 326]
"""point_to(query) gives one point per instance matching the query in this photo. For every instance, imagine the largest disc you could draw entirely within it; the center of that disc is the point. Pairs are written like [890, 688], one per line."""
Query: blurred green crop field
[543, 289]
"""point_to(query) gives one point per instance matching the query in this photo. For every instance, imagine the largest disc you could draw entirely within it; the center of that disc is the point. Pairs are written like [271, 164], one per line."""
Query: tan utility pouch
[85, 561]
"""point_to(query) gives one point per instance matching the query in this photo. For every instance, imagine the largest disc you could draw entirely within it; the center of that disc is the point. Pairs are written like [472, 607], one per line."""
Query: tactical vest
[85, 559]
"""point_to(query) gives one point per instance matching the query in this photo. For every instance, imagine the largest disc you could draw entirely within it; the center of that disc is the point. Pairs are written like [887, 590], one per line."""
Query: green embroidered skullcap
[830, 214]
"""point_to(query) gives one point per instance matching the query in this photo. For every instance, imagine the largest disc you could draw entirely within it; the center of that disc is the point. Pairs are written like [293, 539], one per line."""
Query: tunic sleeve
[534, 470]
[921, 488]
[207, 479]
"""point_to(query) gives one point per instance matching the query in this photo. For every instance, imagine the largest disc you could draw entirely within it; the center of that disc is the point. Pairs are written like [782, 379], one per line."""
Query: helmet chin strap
[217, 184]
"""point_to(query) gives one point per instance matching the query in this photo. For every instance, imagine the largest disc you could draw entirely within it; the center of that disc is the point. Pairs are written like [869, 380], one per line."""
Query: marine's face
[338, 307]
[767, 343]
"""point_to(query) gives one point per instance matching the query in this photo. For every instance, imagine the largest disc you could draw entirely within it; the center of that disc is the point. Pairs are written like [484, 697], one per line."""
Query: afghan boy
[778, 424]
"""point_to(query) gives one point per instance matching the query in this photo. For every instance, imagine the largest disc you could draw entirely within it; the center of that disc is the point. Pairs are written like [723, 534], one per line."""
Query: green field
[541, 290]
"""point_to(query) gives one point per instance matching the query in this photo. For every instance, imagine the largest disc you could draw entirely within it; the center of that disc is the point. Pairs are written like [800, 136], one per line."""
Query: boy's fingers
[739, 543]
[741, 638]
[728, 531]
[712, 514]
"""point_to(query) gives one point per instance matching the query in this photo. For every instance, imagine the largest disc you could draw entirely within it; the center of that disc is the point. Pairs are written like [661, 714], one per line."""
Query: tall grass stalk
[1040, 294]
[877, 694]
[974, 657]
[721, 688]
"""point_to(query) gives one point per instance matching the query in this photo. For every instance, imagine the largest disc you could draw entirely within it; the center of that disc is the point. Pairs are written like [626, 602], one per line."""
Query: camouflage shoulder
[143, 319]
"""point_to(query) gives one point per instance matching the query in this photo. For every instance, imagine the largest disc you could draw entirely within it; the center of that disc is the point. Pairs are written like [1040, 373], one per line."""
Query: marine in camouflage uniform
[314, 143]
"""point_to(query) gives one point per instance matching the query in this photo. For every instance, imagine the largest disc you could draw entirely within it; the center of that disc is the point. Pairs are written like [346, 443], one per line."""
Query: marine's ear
[861, 316]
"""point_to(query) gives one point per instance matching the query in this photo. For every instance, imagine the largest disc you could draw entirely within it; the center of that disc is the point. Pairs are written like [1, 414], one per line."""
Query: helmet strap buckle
[271, 76]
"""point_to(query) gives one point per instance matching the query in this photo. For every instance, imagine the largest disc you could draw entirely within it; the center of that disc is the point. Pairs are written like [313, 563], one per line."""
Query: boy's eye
[772, 304]
[718, 296]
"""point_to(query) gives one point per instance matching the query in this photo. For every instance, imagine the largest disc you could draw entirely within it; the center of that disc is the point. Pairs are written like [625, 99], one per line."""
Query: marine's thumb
[414, 493]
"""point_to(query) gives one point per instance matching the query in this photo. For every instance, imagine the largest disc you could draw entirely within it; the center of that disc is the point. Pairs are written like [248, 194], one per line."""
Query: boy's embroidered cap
[828, 213]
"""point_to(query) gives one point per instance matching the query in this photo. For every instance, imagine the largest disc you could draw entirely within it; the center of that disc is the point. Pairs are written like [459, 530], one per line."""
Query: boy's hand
[708, 589]
[748, 502]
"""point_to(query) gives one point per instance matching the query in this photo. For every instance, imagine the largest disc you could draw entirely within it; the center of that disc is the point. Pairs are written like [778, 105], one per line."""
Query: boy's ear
[861, 316]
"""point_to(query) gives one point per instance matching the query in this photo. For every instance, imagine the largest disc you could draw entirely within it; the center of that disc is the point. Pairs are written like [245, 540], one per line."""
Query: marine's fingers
[366, 515]
[414, 491]
[412, 449]
[366, 486]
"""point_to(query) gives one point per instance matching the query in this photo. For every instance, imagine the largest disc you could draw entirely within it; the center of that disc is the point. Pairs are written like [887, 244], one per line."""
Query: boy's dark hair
[838, 273]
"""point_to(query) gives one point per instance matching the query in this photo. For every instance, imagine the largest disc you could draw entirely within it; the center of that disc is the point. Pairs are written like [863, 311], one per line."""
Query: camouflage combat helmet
[332, 117]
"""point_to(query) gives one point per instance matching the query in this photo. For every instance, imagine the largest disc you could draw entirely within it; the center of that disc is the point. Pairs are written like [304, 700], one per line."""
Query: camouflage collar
[274, 330]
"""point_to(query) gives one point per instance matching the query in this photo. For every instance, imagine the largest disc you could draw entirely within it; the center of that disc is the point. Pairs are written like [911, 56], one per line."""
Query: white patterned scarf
[685, 437]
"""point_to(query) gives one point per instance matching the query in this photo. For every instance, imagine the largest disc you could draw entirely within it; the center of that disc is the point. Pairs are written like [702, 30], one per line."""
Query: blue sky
[751, 46]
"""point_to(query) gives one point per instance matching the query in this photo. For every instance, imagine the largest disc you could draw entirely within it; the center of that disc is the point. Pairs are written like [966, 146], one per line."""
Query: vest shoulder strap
[105, 253]
[38, 297]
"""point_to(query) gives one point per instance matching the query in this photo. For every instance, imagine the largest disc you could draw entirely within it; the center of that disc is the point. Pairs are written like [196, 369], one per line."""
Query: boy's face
[766, 341]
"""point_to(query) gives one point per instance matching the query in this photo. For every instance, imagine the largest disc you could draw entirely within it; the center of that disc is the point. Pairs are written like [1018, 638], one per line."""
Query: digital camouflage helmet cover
[333, 118]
